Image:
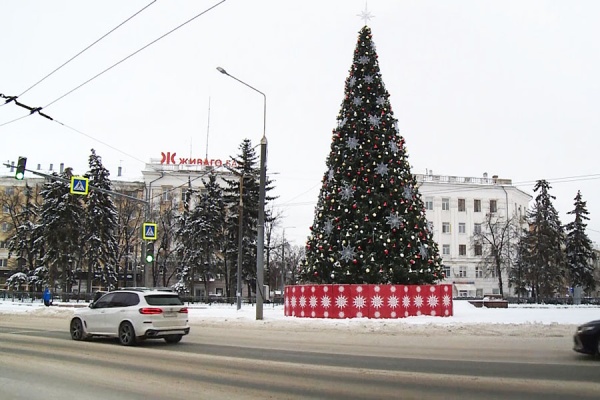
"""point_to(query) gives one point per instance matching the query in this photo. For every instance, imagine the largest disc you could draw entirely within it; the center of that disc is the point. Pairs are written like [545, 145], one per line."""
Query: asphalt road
[39, 360]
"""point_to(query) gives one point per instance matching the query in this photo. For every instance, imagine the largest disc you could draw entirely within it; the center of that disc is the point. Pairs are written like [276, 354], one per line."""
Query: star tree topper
[365, 15]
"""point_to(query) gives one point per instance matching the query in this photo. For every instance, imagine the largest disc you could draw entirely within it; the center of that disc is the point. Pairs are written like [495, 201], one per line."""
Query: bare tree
[495, 241]
[165, 266]
[130, 215]
[293, 258]
[19, 207]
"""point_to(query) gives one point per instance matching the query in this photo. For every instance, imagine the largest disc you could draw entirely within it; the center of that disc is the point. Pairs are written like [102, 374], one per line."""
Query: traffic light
[20, 174]
[149, 252]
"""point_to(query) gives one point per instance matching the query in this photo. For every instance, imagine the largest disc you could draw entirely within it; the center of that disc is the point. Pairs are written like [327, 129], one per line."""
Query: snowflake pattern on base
[368, 301]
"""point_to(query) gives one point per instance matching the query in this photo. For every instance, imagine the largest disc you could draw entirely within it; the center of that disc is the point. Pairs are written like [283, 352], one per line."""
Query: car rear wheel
[77, 332]
[126, 334]
[173, 338]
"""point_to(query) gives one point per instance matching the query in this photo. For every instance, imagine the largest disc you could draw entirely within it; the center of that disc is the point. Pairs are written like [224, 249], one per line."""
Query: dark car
[587, 338]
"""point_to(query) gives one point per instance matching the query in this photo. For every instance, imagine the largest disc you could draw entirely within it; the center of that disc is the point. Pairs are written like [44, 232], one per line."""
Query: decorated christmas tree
[369, 224]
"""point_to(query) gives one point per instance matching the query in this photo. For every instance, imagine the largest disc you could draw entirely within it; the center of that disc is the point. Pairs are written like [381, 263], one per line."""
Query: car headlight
[583, 329]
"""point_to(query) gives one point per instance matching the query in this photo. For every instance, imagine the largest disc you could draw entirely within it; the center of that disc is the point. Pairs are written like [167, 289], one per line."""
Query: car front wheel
[173, 338]
[126, 334]
[77, 329]
[598, 346]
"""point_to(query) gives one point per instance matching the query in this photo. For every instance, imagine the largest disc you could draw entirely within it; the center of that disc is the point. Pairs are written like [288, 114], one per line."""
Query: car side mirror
[91, 305]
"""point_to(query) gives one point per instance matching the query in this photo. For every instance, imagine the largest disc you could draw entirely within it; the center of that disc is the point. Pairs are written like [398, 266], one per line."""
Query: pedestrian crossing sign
[79, 185]
[149, 231]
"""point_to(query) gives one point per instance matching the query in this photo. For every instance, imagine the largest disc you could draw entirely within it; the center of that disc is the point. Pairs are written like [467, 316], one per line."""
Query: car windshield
[163, 300]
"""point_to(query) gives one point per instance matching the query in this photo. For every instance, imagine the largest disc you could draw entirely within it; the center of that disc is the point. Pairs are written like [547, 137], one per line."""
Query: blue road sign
[79, 185]
[149, 231]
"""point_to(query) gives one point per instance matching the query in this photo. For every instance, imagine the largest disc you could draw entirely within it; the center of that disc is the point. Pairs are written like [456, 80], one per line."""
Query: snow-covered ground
[464, 314]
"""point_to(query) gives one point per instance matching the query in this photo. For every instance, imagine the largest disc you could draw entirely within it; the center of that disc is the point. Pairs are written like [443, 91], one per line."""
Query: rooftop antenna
[208, 127]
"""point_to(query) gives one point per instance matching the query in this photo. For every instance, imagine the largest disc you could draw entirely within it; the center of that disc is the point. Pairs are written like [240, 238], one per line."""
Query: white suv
[132, 315]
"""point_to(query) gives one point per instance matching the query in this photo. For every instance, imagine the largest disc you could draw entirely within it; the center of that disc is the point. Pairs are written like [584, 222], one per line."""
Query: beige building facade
[456, 209]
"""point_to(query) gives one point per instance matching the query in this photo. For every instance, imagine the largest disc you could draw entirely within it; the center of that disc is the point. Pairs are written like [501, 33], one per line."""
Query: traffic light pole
[58, 178]
[109, 192]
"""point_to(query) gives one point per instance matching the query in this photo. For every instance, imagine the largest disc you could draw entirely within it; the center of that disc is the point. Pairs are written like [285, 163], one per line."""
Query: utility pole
[238, 289]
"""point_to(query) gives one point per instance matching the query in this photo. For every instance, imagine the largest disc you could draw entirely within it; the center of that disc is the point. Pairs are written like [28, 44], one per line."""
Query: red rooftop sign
[171, 158]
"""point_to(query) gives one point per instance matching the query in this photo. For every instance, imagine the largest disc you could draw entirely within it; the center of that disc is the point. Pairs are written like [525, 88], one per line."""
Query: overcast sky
[510, 88]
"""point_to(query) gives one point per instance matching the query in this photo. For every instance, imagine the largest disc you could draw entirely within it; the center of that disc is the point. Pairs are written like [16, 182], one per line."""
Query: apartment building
[456, 209]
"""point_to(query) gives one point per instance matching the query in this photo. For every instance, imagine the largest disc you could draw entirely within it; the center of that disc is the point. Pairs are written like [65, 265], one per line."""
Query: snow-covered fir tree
[189, 247]
[209, 218]
[100, 239]
[369, 224]
[247, 171]
[541, 258]
[62, 230]
[579, 252]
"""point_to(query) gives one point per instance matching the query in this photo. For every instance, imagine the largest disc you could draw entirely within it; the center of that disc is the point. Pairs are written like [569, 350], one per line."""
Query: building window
[462, 227]
[477, 229]
[5, 209]
[462, 205]
[477, 205]
[445, 204]
[3, 263]
[493, 206]
[493, 272]
[446, 271]
[3, 244]
[428, 203]
[495, 291]
[166, 193]
[478, 272]
[9, 190]
[463, 293]
[446, 249]
[445, 227]
[5, 227]
[478, 249]
[462, 249]
[184, 194]
[430, 226]
[479, 292]
[462, 271]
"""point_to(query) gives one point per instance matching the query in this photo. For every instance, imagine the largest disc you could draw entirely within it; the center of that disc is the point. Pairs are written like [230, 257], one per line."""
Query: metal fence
[31, 297]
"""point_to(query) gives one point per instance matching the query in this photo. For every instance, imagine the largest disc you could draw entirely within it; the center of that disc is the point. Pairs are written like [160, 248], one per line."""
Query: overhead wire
[458, 190]
[15, 120]
[87, 48]
[10, 99]
[99, 141]
[38, 109]
[133, 54]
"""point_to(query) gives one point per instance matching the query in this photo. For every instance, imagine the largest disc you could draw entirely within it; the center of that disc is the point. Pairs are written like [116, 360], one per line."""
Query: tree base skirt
[367, 301]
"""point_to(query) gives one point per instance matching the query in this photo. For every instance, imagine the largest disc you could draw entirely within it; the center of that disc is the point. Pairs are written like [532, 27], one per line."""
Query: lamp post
[260, 245]
[240, 244]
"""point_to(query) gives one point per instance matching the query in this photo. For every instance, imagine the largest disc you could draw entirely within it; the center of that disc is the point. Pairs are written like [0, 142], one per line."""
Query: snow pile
[464, 314]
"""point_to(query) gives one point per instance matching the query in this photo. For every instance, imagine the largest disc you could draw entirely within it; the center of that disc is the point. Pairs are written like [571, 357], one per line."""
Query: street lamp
[240, 244]
[260, 246]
